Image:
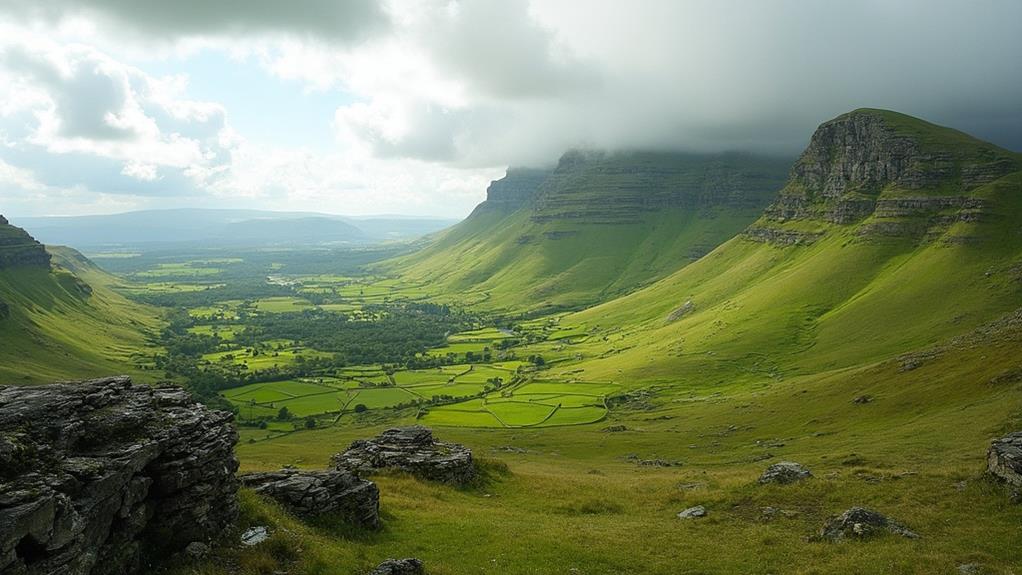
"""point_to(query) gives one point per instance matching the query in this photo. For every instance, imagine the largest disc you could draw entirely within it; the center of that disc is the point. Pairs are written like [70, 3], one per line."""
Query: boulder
[1004, 459]
[312, 493]
[784, 473]
[861, 523]
[413, 450]
[693, 512]
[409, 566]
[255, 535]
[94, 473]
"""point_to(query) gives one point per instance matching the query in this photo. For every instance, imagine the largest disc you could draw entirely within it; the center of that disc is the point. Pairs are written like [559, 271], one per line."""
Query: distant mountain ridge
[229, 227]
[596, 225]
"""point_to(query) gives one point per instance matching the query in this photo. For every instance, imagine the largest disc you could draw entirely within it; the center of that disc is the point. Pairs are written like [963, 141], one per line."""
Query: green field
[281, 304]
[256, 360]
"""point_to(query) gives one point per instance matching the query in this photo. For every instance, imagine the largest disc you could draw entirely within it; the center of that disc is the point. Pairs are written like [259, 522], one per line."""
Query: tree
[284, 414]
[361, 408]
[310, 422]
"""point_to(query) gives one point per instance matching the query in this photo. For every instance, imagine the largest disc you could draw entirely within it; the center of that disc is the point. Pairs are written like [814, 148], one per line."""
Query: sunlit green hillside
[597, 226]
[63, 320]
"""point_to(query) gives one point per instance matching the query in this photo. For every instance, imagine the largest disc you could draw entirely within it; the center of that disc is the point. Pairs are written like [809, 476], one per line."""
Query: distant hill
[595, 226]
[224, 227]
[60, 317]
[892, 235]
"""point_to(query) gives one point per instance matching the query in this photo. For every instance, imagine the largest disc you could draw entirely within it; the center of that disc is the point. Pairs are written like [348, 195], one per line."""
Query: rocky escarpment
[101, 476]
[515, 190]
[19, 249]
[413, 450]
[600, 187]
[896, 175]
[313, 493]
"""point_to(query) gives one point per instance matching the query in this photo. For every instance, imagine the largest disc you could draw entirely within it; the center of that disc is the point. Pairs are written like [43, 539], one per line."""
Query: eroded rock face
[312, 493]
[409, 566]
[861, 523]
[97, 475]
[515, 190]
[784, 473]
[906, 177]
[1004, 459]
[411, 449]
[19, 249]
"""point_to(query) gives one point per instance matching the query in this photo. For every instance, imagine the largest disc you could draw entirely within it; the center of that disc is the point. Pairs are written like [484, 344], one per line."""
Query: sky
[413, 106]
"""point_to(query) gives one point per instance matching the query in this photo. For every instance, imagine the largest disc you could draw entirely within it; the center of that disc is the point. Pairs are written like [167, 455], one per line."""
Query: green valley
[610, 363]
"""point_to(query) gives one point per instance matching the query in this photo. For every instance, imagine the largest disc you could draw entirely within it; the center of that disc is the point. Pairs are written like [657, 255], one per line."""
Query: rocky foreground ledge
[94, 475]
[412, 450]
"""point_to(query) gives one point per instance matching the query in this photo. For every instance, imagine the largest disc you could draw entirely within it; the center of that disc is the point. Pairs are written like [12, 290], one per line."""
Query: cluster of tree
[395, 336]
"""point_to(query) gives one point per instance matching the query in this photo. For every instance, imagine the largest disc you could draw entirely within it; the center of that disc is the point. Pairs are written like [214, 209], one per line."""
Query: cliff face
[18, 249]
[96, 475]
[515, 190]
[905, 176]
[619, 187]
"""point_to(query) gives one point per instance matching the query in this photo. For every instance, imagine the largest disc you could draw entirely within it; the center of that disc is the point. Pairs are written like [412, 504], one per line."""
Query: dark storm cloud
[335, 20]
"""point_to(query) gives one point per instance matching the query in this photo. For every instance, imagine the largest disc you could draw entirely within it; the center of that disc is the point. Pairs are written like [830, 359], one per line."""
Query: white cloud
[140, 171]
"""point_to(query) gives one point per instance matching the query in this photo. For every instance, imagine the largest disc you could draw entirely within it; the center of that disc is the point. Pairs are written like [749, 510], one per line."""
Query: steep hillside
[891, 235]
[596, 226]
[61, 319]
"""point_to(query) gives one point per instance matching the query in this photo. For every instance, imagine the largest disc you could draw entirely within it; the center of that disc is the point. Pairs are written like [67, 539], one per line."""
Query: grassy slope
[500, 261]
[58, 331]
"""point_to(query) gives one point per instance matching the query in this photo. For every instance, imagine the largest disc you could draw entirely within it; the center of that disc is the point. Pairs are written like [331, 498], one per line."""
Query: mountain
[891, 236]
[595, 226]
[300, 230]
[60, 317]
[224, 227]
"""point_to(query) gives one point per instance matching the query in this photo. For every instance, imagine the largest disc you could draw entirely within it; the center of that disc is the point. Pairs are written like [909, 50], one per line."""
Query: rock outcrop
[19, 249]
[1004, 459]
[93, 474]
[409, 566]
[515, 190]
[779, 237]
[903, 176]
[312, 493]
[853, 157]
[785, 472]
[411, 449]
[861, 523]
[693, 512]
